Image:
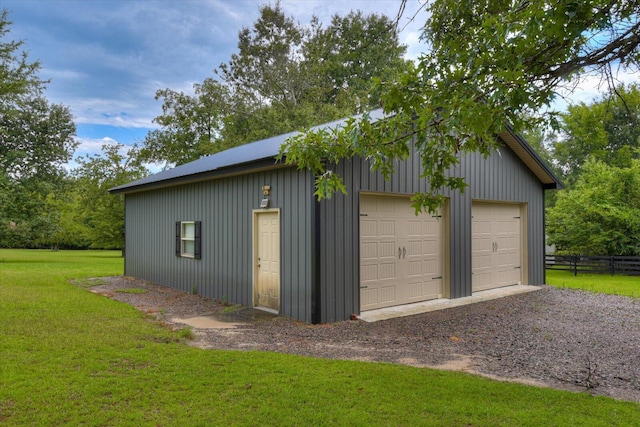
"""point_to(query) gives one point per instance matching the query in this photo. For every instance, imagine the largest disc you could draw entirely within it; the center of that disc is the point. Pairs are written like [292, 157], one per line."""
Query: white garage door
[400, 253]
[496, 245]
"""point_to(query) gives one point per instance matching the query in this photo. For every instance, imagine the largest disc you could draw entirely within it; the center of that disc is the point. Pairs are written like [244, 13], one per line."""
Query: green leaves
[607, 130]
[36, 139]
[101, 212]
[599, 216]
[285, 76]
[488, 64]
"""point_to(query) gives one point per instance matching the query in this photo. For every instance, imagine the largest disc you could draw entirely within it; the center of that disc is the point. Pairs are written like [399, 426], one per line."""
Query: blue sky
[106, 59]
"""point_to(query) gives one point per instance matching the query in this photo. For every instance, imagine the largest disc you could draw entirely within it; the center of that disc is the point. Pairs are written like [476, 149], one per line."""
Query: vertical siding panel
[225, 208]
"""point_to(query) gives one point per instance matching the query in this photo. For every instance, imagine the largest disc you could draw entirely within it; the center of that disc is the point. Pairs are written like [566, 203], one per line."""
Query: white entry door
[401, 257]
[267, 261]
[496, 245]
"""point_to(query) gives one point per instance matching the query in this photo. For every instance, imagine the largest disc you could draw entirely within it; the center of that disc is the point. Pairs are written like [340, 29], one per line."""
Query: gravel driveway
[561, 338]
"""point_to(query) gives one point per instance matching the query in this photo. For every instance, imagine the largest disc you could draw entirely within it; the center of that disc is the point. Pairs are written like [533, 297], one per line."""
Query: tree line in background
[489, 64]
[597, 152]
[42, 205]
[285, 76]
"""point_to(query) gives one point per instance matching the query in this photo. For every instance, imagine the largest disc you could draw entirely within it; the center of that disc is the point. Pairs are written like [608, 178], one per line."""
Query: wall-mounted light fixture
[266, 189]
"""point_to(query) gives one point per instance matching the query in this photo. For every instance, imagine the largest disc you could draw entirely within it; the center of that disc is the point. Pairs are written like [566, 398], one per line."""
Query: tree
[100, 211]
[607, 130]
[491, 63]
[191, 125]
[17, 75]
[599, 216]
[36, 139]
[284, 77]
[351, 53]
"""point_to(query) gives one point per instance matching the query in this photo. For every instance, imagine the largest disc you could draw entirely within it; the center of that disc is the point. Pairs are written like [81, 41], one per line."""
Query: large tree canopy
[36, 139]
[285, 76]
[487, 64]
[607, 130]
[101, 212]
[599, 216]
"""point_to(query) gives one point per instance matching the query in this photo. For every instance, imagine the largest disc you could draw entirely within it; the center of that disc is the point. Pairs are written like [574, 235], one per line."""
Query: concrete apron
[443, 303]
[230, 320]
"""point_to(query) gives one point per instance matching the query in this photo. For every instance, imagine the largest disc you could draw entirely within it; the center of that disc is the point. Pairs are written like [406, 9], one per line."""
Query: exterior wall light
[266, 189]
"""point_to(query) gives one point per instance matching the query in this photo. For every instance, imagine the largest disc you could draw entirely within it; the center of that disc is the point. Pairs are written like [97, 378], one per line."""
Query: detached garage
[238, 225]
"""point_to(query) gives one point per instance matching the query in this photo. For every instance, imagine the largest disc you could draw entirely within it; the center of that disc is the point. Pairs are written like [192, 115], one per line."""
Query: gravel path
[559, 338]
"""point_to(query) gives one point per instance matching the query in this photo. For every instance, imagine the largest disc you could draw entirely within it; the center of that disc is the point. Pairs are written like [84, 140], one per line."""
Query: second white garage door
[401, 256]
[496, 245]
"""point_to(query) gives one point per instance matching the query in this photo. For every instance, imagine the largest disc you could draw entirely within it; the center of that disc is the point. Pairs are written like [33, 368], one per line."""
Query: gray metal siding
[501, 177]
[225, 208]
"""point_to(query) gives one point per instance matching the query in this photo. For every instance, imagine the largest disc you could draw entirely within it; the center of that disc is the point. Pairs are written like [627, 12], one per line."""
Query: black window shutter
[178, 240]
[197, 252]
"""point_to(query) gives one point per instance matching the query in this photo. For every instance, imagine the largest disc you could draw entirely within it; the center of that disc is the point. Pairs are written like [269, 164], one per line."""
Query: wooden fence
[628, 265]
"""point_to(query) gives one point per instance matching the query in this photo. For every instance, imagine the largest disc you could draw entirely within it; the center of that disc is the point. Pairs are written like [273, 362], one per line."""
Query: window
[188, 239]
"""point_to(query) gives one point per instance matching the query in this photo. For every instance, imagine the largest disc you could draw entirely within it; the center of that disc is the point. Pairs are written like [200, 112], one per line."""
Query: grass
[600, 283]
[71, 357]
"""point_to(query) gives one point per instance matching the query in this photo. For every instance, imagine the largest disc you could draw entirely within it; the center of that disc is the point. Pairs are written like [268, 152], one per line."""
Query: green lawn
[602, 283]
[70, 357]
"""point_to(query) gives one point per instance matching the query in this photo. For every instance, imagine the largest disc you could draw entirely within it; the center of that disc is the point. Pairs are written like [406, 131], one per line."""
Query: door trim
[254, 259]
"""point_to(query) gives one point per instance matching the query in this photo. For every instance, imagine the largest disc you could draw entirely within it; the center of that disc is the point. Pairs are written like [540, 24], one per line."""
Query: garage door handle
[404, 252]
[399, 252]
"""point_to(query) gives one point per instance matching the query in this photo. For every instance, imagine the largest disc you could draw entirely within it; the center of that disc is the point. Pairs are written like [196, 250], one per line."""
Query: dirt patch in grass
[561, 338]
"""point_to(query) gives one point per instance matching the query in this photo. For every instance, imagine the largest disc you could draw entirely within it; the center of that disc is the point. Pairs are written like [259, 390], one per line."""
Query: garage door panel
[424, 290]
[415, 268]
[415, 290]
[387, 294]
[408, 253]
[431, 248]
[387, 228]
[369, 296]
[481, 280]
[481, 244]
[414, 228]
[369, 251]
[388, 249]
[414, 249]
[496, 245]
[482, 261]
[369, 228]
[431, 268]
[369, 273]
[387, 271]
[432, 227]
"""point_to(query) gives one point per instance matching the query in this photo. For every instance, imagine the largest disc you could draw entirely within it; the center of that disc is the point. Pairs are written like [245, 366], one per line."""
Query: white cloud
[591, 87]
[414, 46]
[87, 146]
[113, 112]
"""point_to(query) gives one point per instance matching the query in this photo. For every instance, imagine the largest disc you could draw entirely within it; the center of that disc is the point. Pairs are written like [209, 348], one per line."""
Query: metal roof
[268, 149]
